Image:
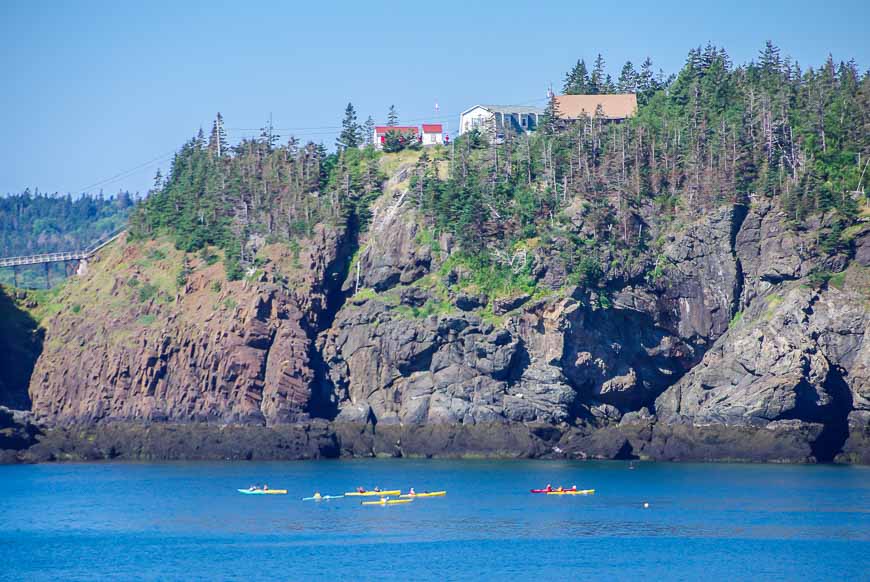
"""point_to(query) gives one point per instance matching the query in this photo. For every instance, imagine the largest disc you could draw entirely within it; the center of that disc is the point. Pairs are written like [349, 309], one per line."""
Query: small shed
[433, 134]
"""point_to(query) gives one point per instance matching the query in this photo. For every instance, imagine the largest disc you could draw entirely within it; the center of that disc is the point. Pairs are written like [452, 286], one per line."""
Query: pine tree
[646, 78]
[368, 131]
[577, 80]
[393, 117]
[217, 141]
[597, 80]
[627, 82]
[268, 135]
[350, 130]
[769, 59]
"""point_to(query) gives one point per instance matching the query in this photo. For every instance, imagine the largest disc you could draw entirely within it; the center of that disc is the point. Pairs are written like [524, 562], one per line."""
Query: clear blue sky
[90, 89]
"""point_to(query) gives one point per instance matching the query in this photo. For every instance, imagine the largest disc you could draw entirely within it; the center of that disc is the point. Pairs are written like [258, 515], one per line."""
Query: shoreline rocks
[787, 442]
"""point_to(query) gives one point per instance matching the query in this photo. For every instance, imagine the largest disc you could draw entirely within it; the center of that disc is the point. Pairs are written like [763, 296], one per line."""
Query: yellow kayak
[572, 492]
[387, 502]
[426, 494]
[373, 493]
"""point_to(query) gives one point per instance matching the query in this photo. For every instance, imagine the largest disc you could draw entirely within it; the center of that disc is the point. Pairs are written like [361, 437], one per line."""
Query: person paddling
[360, 490]
[549, 487]
[411, 491]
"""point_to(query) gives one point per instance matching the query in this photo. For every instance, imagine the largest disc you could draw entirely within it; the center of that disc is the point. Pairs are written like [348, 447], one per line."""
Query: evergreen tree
[268, 135]
[350, 130]
[597, 80]
[577, 80]
[769, 60]
[646, 82]
[627, 82]
[393, 117]
[368, 131]
[217, 141]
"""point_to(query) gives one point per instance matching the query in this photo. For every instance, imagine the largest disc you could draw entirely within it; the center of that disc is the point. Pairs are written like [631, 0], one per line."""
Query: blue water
[186, 521]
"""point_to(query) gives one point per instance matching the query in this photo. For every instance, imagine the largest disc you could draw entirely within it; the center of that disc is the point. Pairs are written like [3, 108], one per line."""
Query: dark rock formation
[780, 369]
[130, 441]
[20, 345]
[17, 434]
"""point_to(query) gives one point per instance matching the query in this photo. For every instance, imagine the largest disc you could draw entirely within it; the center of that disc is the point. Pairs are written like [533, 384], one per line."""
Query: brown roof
[616, 106]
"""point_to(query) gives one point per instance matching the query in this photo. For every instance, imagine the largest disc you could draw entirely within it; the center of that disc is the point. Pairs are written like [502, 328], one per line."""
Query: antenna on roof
[437, 108]
[550, 91]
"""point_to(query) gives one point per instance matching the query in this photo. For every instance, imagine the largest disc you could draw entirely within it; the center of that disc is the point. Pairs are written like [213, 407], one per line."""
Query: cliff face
[149, 346]
[726, 352]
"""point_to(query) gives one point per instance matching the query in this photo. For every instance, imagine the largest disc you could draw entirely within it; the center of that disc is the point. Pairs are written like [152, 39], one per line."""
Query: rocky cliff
[718, 342]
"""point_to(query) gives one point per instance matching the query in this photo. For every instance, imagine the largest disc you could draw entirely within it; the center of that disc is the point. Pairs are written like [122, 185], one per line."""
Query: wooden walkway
[58, 257]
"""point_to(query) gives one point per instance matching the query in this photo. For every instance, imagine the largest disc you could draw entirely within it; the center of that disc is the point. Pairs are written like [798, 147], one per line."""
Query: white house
[494, 119]
[433, 134]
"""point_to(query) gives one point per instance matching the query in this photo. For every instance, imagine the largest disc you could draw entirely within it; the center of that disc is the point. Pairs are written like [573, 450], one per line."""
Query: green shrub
[207, 256]
[818, 278]
[146, 319]
[156, 255]
[146, 292]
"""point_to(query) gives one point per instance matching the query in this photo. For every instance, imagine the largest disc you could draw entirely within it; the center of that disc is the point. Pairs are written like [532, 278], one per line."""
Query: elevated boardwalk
[60, 257]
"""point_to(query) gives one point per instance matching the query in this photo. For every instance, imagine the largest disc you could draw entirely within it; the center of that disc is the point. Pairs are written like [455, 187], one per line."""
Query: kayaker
[377, 489]
[317, 495]
[265, 487]
[573, 488]
[549, 487]
[360, 490]
[411, 491]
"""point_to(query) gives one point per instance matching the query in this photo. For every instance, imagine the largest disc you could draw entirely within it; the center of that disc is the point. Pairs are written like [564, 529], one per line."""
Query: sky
[99, 94]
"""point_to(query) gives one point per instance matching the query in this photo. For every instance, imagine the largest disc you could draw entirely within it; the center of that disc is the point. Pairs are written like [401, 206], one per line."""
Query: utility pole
[15, 275]
[48, 275]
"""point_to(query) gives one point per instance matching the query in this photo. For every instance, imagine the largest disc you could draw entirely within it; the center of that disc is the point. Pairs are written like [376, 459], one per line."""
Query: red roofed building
[407, 131]
[432, 134]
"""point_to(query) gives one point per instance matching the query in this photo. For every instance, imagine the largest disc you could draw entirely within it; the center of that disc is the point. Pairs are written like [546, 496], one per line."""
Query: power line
[298, 131]
[127, 173]
[331, 128]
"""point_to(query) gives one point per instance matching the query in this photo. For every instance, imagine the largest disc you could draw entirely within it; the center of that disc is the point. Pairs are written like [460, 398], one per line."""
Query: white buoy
[645, 505]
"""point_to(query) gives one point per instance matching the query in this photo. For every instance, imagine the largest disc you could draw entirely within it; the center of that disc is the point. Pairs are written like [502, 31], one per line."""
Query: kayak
[262, 492]
[322, 498]
[572, 492]
[387, 502]
[373, 493]
[426, 494]
[557, 490]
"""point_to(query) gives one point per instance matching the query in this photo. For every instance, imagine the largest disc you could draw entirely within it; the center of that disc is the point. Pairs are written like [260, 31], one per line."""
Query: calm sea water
[186, 521]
